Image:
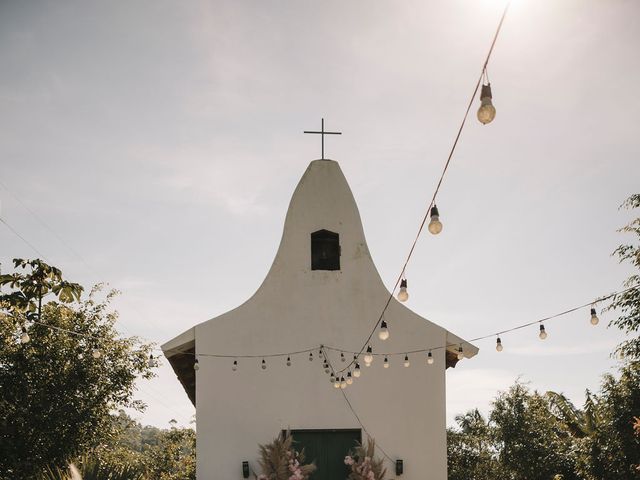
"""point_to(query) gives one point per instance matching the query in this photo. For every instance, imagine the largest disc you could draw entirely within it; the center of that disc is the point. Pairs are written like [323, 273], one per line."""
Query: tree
[532, 444]
[628, 303]
[59, 385]
[472, 452]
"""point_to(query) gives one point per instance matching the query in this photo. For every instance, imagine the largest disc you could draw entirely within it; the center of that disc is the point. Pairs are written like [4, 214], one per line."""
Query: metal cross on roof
[323, 133]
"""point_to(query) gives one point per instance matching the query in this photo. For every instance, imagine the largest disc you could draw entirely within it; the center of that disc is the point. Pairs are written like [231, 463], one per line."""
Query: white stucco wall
[296, 308]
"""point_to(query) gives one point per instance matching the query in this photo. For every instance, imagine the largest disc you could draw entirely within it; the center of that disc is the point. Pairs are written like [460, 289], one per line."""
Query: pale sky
[162, 140]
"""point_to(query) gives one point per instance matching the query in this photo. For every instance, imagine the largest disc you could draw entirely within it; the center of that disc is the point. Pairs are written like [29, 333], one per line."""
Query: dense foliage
[63, 370]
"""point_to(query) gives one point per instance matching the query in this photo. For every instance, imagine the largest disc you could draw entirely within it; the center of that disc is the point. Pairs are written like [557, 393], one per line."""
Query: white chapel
[323, 289]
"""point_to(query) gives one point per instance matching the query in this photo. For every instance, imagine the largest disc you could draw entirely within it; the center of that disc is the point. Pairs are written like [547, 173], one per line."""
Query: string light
[310, 356]
[383, 334]
[343, 383]
[435, 225]
[498, 345]
[460, 353]
[429, 358]
[403, 296]
[543, 332]
[288, 361]
[594, 317]
[336, 382]
[407, 363]
[264, 364]
[24, 338]
[234, 367]
[386, 362]
[356, 371]
[342, 359]
[96, 353]
[152, 361]
[368, 357]
[326, 367]
[196, 365]
[332, 378]
[486, 112]
[349, 378]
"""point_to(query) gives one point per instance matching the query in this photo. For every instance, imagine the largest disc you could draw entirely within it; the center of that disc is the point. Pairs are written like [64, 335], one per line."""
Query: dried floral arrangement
[280, 461]
[363, 464]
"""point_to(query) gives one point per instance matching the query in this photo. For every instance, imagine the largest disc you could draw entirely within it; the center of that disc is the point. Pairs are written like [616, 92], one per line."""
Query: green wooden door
[327, 448]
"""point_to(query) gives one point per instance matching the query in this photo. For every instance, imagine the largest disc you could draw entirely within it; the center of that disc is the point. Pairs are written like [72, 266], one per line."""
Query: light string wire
[348, 402]
[24, 240]
[439, 184]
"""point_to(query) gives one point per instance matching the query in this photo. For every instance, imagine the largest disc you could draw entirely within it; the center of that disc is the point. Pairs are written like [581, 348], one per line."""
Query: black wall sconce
[245, 469]
[399, 467]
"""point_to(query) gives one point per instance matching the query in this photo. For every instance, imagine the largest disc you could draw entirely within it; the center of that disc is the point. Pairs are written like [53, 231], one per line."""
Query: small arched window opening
[325, 250]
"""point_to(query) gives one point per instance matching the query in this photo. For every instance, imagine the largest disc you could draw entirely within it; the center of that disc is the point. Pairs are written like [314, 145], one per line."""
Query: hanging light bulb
[310, 356]
[196, 365]
[264, 364]
[435, 225]
[486, 112]
[332, 378]
[342, 359]
[383, 334]
[460, 353]
[288, 361]
[356, 371]
[234, 367]
[343, 383]
[406, 361]
[96, 353]
[326, 367]
[386, 362]
[543, 333]
[403, 296]
[498, 345]
[24, 337]
[430, 358]
[152, 361]
[349, 378]
[368, 357]
[594, 317]
[336, 382]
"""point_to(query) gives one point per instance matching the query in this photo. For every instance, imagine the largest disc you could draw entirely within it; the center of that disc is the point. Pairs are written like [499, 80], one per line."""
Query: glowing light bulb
[406, 361]
[332, 378]
[386, 362]
[543, 333]
[498, 345]
[403, 296]
[383, 334]
[594, 317]
[336, 383]
[152, 361]
[368, 357]
[288, 361]
[349, 378]
[430, 358]
[435, 225]
[234, 367]
[460, 353]
[96, 353]
[24, 338]
[264, 364]
[356, 371]
[486, 112]
[343, 383]
[196, 365]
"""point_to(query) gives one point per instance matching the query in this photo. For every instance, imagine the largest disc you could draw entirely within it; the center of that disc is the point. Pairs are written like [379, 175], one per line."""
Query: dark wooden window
[325, 250]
